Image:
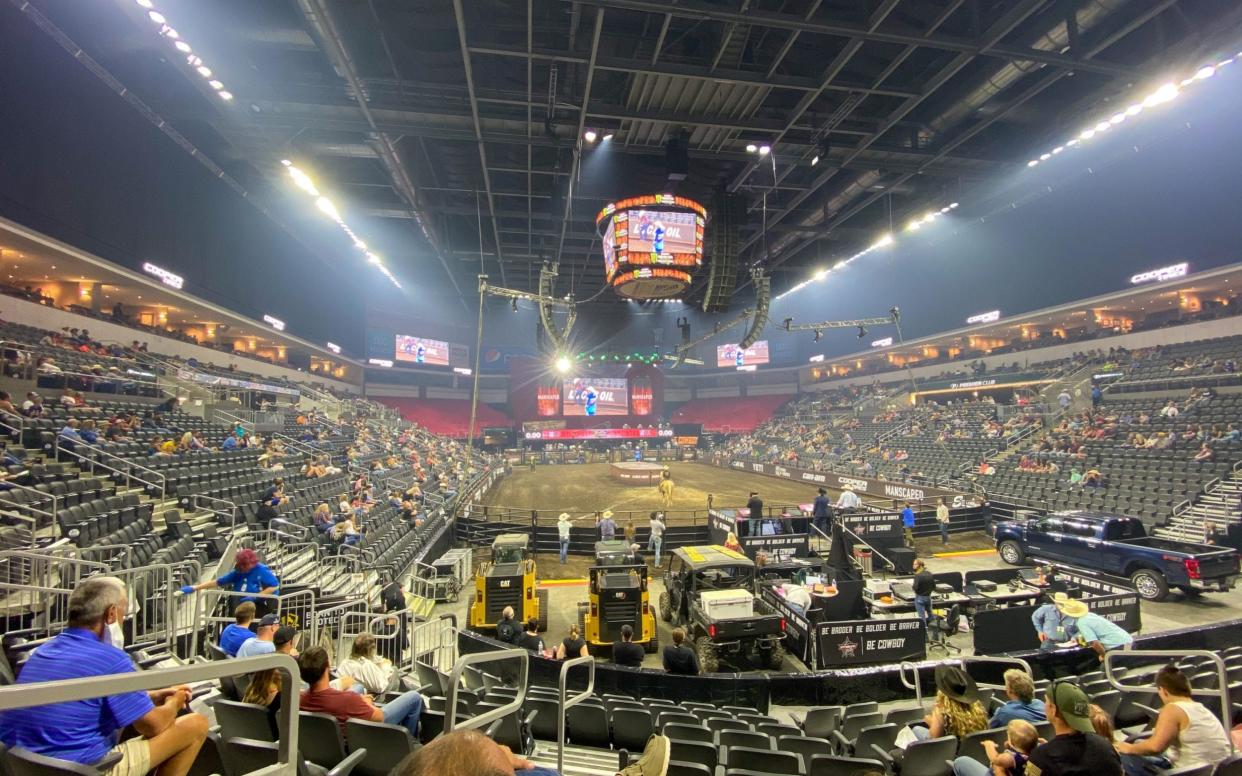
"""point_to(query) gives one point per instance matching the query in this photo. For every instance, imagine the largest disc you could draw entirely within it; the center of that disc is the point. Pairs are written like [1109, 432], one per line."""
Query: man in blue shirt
[247, 578]
[230, 443]
[1051, 626]
[238, 632]
[821, 512]
[1022, 702]
[87, 731]
[1100, 634]
[264, 641]
[907, 524]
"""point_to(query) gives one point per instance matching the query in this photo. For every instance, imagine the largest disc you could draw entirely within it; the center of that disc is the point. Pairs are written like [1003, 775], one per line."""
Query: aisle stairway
[1220, 504]
[579, 760]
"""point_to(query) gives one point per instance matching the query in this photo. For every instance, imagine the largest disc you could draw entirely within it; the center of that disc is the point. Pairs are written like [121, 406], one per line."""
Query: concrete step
[578, 760]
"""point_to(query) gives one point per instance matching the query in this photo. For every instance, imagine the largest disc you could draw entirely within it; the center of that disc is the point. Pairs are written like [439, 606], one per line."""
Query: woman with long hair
[373, 672]
[957, 711]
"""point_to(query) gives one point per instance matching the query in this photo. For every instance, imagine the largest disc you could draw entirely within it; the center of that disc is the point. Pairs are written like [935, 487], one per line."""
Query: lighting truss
[548, 304]
[169, 33]
[304, 182]
[680, 355]
[1166, 93]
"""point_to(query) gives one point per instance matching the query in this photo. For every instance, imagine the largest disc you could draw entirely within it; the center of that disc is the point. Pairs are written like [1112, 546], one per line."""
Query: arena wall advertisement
[871, 487]
[860, 642]
[780, 547]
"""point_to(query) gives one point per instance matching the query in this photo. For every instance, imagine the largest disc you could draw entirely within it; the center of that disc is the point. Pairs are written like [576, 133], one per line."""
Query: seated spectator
[33, 406]
[6, 404]
[1022, 702]
[1020, 738]
[313, 666]
[507, 629]
[46, 366]
[1076, 750]
[238, 632]
[679, 657]
[956, 711]
[186, 443]
[1186, 734]
[263, 642]
[625, 652]
[324, 519]
[88, 433]
[87, 731]
[530, 638]
[1206, 454]
[376, 674]
[69, 436]
[230, 443]
[572, 645]
[264, 690]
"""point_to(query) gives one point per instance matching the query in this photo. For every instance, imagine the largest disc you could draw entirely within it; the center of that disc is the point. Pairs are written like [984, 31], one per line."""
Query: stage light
[226, 96]
[182, 46]
[1058, 150]
[815, 160]
[954, 205]
[1205, 72]
[1162, 95]
[215, 85]
[913, 226]
[1045, 157]
[303, 181]
[751, 148]
[887, 239]
[589, 136]
[563, 365]
[1117, 118]
[607, 137]
[157, 17]
[1086, 134]
[327, 208]
[143, 3]
[765, 149]
[204, 71]
[823, 273]
[1032, 163]
[1103, 126]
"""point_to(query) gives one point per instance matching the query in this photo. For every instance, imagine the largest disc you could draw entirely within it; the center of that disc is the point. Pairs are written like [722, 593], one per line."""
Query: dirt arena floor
[587, 488]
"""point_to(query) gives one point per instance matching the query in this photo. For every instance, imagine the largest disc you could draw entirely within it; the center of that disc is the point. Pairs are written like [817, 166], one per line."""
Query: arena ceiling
[453, 130]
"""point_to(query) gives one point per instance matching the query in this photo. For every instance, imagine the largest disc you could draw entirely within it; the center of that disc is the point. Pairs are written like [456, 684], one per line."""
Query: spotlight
[226, 96]
[144, 3]
[862, 331]
[182, 46]
[607, 137]
[815, 160]
[590, 136]
[751, 148]
[563, 365]
[156, 17]
[765, 149]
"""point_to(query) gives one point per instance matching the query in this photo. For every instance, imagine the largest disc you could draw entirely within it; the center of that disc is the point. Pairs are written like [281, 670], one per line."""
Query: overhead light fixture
[751, 148]
[765, 149]
[590, 136]
[815, 160]
[607, 137]
[563, 364]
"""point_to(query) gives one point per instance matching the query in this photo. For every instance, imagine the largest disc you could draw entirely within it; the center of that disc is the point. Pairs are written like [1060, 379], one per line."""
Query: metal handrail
[231, 513]
[564, 704]
[41, 494]
[963, 661]
[874, 551]
[450, 703]
[62, 691]
[162, 485]
[20, 428]
[1222, 675]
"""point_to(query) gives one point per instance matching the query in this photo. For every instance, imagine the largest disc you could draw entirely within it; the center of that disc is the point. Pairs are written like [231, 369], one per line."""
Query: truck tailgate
[1220, 563]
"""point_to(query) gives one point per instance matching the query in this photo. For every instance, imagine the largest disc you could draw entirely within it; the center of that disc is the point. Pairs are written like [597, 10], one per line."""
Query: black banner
[872, 526]
[1122, 609]
[1008, 629]
[797, 627]
[862, 642]
[1090, 584]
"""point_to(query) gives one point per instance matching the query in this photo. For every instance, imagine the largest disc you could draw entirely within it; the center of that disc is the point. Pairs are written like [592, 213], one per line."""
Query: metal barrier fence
[35, 588]
[390, 631]
[296, 609]
[1221, 690]
[965, 662]
[434, 644]
[44, 693]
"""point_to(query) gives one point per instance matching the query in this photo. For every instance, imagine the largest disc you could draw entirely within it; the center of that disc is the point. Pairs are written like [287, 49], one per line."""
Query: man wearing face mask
[89, 730]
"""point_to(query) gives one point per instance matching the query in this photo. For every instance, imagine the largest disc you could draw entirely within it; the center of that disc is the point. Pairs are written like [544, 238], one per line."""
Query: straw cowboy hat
[1072, 608]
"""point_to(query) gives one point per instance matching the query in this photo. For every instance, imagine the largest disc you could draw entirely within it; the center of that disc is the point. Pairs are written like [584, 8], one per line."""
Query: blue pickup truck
[1115, 544]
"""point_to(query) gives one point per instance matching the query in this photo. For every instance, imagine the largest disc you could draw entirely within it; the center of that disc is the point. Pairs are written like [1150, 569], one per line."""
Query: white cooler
[727, 604]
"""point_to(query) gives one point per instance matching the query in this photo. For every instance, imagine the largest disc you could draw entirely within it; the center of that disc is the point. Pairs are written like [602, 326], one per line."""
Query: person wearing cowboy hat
[607, 526]
[248, 578]
[1095, 631]
[1076, 750]
[957, 711]
[848, 499]
[563, 524]
[1053, 627]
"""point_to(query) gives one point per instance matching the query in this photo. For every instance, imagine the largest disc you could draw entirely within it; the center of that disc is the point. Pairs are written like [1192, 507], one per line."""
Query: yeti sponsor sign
[862, 485]
[860, 642]
[870, 525]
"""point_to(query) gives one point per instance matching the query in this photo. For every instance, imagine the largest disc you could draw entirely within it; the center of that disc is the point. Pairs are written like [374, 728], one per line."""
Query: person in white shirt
[848, 499]
[563, 524]
[798, 598]
[655, 540]
[1186, 735]
[372, 672]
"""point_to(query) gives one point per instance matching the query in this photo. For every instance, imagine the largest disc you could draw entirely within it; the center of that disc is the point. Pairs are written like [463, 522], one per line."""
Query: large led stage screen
[592, 396]
[732, 356]
[419, 350]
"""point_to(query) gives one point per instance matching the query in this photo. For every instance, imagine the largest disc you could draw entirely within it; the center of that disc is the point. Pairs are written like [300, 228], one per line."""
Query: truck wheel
[541, 596]
[1150, 584]
[776, 656]
[666, 607]
[706, 650]
[652, 646]
[1011, 553]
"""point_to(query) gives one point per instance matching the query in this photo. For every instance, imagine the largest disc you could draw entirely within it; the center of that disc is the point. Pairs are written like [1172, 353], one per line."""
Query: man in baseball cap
[263, 642]
[1075, 750]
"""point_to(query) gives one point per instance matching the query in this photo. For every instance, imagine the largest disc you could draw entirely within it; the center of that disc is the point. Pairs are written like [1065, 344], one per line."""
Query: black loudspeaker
[902, 558]
[677, 157]
[727, 214]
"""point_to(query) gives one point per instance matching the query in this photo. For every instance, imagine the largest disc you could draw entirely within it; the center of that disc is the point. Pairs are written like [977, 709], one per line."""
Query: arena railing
[1220, 691]
[124, 466]
[20, 696]
[36, 588]
[915, 683]
[294, 609]
[91, 382]
[563, 704]
[435, 640]
[485, 719]
[389, 641]
[227, 509]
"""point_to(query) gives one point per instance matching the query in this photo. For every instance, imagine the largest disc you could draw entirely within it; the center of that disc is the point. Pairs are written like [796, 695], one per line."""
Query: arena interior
[698, 388]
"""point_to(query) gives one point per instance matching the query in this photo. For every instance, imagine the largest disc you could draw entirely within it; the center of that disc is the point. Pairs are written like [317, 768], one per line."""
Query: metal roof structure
[458, 125]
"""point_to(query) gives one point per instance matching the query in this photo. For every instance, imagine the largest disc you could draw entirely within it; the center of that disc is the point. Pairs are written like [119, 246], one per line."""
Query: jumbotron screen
[732, 355]
[591, 396]
[652, 244]
[420, 350]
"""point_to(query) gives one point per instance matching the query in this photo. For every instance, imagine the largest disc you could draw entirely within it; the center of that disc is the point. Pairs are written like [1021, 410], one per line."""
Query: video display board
[731, 355]
[592, 396]
[652, 244]
[420, 350]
